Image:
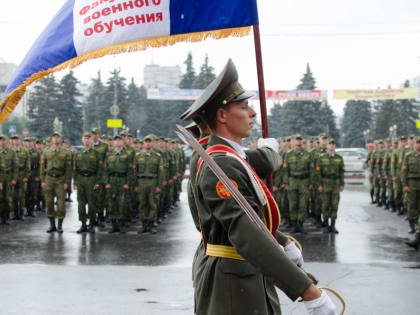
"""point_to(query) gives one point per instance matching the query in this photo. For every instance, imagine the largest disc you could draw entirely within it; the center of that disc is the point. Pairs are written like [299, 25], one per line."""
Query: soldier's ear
[221, 115]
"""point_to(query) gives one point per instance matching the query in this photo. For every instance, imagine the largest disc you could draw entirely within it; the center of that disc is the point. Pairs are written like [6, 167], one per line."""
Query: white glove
[268, 142]
[294, 254]
[321, 306]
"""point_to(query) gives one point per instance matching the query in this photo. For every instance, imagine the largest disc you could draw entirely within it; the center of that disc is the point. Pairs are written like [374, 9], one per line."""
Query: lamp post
[366, 134]
[138, 133]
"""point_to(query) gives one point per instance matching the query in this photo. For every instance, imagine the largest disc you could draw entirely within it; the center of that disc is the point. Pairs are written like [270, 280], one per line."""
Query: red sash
[204, 140]
[271, 210]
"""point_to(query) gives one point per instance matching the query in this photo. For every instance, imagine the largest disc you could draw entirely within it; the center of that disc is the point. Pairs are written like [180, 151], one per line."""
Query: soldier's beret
[403, 138]
[15, 136]
[323, 135]
[412, 137]
[96, 131]
[388, 139]
[380, 141]
[117, 137]
[149, 137]
[87, 134]
[331, 140]
[28, 139]
[130, 135]
[221, 91]
[3, 137]
[123, 133]
[298, 137]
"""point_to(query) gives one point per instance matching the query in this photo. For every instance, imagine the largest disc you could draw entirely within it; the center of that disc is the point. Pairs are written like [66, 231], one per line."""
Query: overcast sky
[348, 44]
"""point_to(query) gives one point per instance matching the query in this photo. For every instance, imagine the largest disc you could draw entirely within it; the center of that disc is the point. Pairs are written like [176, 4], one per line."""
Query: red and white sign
[104, 23]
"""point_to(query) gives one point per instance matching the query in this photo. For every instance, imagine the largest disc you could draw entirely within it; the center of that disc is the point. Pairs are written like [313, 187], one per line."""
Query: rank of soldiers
[394, 174]
[118, 180]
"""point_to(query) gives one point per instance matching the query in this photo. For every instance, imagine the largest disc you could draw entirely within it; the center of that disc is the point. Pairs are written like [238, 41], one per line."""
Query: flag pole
[261, 91]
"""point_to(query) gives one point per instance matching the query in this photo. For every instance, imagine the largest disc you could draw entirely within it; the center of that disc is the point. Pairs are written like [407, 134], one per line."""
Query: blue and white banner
[86, 29]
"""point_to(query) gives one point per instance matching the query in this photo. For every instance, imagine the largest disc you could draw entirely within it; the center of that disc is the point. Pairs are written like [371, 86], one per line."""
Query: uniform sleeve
[105, 173]
[404, 171]
[317, 178]
[286, 169]
[160, 171]
[28, 166]
[341, 172]
[15, 166]
[43, 162]
[69, 169]
[99, 168]
[75, 173]
[264, 161]
[258, 248]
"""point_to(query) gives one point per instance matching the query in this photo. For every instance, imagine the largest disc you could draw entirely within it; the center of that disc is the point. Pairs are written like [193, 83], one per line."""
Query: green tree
[189, 77]
[42, 103]
[386, 115]
[205, 77]
[407, 115]
[68, 109]
[357, 118]
[115, 93]
[275, 121]
[95, 99]
[19, 122]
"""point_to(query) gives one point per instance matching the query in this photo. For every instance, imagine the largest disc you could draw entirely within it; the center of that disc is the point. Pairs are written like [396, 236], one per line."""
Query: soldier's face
[56, 139]
[3, 143]
[238, 118]
[27, 144]
[86, 141]
[331, 146]
[403, 143]
[148, 144]
[323, 142]
[118, 143]
[16, 142]
[298, 143]
[161, 144]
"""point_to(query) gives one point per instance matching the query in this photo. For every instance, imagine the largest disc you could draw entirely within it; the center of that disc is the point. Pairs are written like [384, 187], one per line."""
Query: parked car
[355, 170]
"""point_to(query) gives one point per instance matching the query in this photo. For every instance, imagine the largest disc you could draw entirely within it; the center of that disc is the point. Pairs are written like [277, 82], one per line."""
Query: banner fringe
[13, 98]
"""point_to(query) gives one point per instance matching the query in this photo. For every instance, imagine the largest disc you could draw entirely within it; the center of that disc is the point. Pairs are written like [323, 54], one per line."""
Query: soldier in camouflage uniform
[88, 166]
[56, 172]
[387, 170]
[411, 183]
[316, 201]
[23, 172]
[376, 165]
[368, 165]
[330, 182]
[128, 211]
[118, 169]
[7, 178]
[396, 166]
[33, 196]
[67, 146]
[298, 174]
[41, 205]
[99, 201]
[148, 170]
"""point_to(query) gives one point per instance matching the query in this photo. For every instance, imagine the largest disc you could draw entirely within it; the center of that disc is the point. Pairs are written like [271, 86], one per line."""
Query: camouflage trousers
[86, 197]
[330, 200]
[19, 196]
[147, 198]
[398, 192]
[6, 196]
[116, 197]
[54, 187]
[413, 203]
[298, 195]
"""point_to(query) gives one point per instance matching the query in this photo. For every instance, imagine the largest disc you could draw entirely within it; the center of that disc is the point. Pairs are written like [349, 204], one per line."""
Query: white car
[355, 170]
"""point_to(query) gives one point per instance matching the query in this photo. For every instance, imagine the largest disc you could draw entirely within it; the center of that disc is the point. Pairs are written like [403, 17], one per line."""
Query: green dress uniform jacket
[7, 174]
[229, 286]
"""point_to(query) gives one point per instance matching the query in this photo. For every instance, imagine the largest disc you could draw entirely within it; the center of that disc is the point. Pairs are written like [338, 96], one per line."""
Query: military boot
[386, 205]
[333, 229]
[400, 210]
[296, 228]
[144, 228]
[4, 217]
[83, 228]
[152, 227]
[394, 209]
[122, 225]
[91, 228]
[60, 226]
[415, 243]
[326, 227]
[412, 224]
[115, 227]
[52, 227]
[302, 230]
[372, 199]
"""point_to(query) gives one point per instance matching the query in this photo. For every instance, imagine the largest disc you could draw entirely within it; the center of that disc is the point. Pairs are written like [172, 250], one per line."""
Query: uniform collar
[236, 146]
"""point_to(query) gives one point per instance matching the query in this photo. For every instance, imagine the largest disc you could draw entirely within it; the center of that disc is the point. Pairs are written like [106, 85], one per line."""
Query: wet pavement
[100, 273]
